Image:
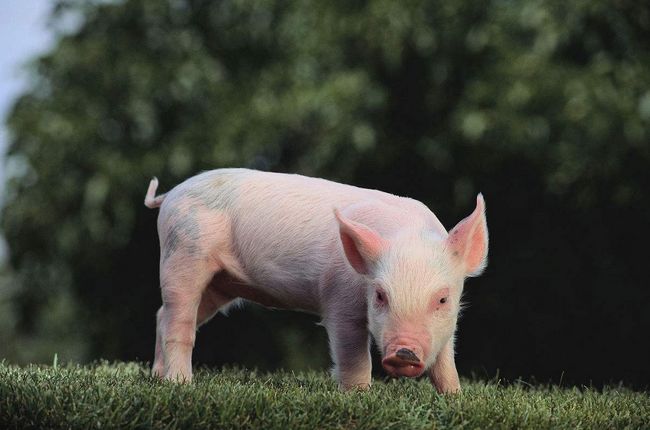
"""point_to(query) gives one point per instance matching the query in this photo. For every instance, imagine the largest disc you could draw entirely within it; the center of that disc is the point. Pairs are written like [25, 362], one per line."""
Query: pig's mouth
[403, 362]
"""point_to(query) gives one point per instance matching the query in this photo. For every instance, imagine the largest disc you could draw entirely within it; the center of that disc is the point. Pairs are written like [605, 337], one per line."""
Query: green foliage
[123, 396]
[542, 105]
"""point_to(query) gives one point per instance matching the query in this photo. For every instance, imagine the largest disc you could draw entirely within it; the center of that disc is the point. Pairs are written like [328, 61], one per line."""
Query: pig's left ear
[362, 245]
[468, 241]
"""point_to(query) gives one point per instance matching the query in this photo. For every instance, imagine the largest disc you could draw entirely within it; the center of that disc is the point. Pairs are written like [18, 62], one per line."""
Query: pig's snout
[403, 362]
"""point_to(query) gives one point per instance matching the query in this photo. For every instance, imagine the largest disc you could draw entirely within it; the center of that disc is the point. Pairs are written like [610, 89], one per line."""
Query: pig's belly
[284, 258]
[229, 286]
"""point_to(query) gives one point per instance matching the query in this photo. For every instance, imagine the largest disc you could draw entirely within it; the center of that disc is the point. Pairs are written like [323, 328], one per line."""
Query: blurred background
[543, 106]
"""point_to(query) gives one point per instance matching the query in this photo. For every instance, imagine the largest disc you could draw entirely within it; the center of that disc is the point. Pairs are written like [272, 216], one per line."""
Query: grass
[122, 395]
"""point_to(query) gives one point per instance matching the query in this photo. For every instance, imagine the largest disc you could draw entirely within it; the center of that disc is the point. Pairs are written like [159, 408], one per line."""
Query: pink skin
[412, 336]
[368, 262]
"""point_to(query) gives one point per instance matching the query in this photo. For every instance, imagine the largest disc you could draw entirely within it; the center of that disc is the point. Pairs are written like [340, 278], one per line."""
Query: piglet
[365, 261]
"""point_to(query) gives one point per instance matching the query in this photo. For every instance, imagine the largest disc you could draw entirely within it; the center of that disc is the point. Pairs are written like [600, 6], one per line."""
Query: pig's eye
[440, 299]
[380, 298]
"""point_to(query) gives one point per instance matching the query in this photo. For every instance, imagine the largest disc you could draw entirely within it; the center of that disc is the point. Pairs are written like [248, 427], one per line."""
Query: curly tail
[151, 200]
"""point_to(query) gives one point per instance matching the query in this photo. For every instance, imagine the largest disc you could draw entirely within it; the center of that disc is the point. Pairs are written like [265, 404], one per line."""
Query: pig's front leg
[350, 350]
[443, 373]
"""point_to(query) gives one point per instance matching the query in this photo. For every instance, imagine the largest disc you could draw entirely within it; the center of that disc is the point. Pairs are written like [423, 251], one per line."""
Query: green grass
[122, 395]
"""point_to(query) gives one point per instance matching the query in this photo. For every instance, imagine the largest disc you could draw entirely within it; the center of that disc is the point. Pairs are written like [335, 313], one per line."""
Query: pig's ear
[468, 241]
[362, 245]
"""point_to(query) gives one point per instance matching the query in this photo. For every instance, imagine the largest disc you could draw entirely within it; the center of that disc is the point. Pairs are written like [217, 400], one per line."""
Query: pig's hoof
[178, 378]
[355, 387]
[450, 390]
[157, 372]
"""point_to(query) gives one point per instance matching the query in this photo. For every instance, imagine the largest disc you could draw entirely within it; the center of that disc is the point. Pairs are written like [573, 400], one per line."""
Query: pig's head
[415, 281]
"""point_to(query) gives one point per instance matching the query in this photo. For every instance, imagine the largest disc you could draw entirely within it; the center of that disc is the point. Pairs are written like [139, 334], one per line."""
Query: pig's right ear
[362, 245]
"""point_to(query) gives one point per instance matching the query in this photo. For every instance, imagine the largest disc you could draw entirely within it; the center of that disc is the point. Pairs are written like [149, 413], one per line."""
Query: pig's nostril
[407, 355]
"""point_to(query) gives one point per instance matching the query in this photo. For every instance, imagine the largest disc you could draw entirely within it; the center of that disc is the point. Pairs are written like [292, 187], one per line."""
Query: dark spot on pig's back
[214, 192]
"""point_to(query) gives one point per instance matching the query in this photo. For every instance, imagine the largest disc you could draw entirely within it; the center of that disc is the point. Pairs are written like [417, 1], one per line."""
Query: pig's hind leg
[184, 279]
[211, 302]
[158, 368]
[195, 251]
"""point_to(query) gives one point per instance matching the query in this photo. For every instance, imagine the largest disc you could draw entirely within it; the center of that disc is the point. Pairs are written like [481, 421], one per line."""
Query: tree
[543, 106]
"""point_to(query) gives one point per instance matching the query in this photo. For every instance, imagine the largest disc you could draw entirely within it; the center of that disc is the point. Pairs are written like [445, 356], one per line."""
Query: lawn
[122, 395]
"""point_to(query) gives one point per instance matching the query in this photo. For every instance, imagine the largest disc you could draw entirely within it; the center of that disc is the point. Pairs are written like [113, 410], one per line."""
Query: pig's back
[284, 221]
[291, 205]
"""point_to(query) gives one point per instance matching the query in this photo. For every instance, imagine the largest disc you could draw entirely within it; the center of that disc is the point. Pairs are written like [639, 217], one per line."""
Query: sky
[23, 35]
